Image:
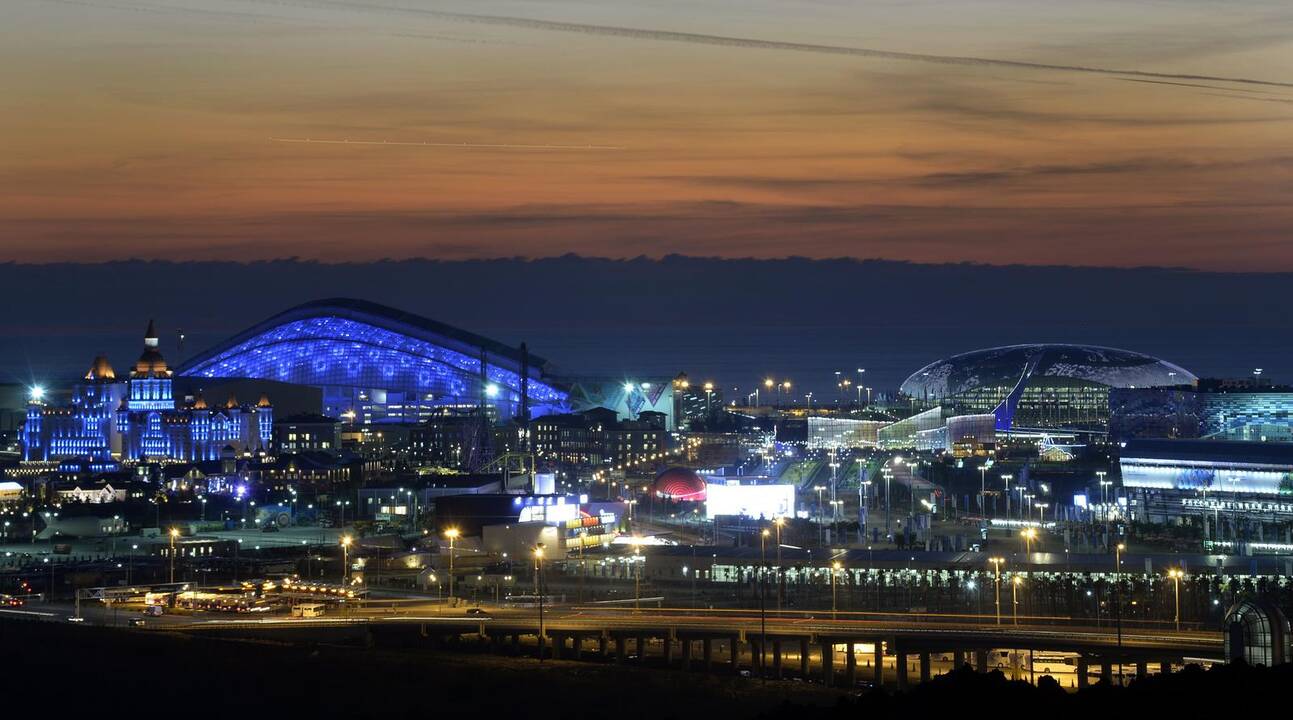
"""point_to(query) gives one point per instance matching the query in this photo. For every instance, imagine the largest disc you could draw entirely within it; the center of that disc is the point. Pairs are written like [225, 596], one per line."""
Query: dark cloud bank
[733, 320]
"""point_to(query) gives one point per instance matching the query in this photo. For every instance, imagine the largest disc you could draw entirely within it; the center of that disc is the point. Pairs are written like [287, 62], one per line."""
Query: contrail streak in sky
[713, 40]
[468, 146]
[756, 44]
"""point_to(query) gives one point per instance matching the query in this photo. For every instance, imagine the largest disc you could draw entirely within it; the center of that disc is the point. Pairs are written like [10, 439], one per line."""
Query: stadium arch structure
[378, 364]
[1041, 385]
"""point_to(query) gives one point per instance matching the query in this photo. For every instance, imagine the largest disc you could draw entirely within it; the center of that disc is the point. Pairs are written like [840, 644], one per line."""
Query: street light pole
[834, 569]
[174, 534]
[452, 534]
[996, 561]
[1117, 599]
[637, 576]
[345, 560]
[1175, 574]
[1014, 596]
[778, 523]
[763, 603]
[983, 488]
[538, 580]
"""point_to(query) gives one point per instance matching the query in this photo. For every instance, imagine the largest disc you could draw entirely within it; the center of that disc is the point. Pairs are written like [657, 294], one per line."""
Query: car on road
[478, 612]
[75, 619]
[138, 622]
[10, 601]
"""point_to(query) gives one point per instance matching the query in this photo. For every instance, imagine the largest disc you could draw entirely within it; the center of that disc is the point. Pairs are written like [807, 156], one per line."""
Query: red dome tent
[679, 484]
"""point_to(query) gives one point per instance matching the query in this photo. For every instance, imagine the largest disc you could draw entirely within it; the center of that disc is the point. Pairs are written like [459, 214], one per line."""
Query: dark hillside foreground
[107, 673]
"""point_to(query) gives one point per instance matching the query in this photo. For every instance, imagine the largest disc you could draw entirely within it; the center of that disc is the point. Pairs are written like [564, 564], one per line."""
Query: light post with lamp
[763, 601]
[538, 581]
[1007, 477]
[1176, 574]
[345, 559]
[778, 523]
[996, 562]
[1117, 598]
[174, 534]
[637, 575]
[835, 568]
[1015, 582]
[1028, 534]
[452, 534]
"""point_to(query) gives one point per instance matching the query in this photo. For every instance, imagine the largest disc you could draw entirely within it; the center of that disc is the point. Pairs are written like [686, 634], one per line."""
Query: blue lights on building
[137, 419]
[380, 364]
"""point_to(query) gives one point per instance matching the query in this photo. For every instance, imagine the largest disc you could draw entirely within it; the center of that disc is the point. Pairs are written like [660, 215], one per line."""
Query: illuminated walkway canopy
[379, 362]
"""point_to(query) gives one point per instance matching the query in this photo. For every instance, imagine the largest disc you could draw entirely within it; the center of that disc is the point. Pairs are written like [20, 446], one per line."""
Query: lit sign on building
[1254, 506]
[756, 501]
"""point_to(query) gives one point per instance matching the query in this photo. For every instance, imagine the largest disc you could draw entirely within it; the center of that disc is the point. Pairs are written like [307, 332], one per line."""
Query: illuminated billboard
[755, 501]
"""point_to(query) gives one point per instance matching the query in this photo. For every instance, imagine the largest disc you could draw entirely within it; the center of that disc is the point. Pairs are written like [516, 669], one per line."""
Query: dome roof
[151, 363]
[1006, 366]
[101, 369]
[679, 484]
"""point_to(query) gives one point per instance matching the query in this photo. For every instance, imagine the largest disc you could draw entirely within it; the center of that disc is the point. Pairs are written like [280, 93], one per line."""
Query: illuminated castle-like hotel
[137, 419]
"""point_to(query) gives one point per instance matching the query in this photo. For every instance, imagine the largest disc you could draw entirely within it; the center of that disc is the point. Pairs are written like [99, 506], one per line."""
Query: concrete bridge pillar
[1106, 672]
[879, 662]
[803, 658]
[516, 643]
[850, 665]
[668, 650]
[686, 652]
[1165, 667]
[620, 643]
[958, 659]
[1082, 671]
[707, 652]
[776, 659]
[1142, 669]
[601, 646]
[981, 660]
[642, 648]
[734, 653]
[828, 663]
[924, 666]
[900, 661]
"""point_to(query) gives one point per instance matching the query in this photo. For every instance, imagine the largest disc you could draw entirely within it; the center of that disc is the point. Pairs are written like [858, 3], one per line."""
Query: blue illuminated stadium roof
[355, 343]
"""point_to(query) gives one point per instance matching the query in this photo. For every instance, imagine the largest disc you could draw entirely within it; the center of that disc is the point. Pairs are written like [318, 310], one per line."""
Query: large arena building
[375, 363]
[1039, 386]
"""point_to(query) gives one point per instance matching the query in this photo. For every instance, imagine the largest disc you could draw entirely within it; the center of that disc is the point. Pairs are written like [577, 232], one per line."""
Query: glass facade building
[1185, 414]
[1044, 386]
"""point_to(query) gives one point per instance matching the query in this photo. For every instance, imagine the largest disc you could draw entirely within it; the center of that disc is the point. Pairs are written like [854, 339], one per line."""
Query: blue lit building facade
[137, 419]
[1186, 414]
[376, 364]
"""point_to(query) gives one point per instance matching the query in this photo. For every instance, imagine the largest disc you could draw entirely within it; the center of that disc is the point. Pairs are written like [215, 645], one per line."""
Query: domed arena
[679, 484]
[1040, 385]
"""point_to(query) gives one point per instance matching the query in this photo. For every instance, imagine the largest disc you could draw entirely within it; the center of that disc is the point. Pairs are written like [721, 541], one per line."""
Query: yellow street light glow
[346, 540]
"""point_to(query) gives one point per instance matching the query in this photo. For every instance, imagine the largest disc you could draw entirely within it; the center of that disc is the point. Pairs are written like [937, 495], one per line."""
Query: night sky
[993, 132]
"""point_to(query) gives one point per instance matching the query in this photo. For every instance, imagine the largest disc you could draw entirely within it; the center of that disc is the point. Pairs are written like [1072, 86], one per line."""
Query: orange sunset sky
[994, 132]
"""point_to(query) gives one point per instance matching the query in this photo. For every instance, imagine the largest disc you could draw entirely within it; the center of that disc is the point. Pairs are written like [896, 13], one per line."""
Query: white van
[308, 610]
